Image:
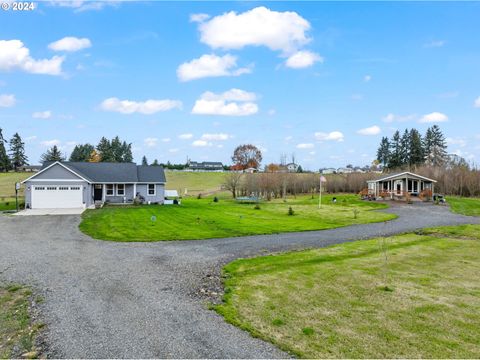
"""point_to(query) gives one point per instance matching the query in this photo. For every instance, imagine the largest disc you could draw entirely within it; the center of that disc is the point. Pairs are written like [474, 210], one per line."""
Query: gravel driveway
[138, 300]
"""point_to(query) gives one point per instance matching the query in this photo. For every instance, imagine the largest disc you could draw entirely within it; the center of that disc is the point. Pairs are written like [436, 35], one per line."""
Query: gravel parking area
[145, 300]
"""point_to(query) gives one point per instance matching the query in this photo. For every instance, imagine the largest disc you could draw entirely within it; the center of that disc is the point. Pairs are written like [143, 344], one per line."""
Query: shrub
[290, 211]
[355, 213]
[257, 207]
[199, 196]
[215, 199]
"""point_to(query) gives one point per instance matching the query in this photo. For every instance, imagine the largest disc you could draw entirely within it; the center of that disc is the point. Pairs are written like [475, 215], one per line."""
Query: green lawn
[194, 182]
[7, 189]
[345, 301]
[465, 206]
[17, 331]
[204, 218]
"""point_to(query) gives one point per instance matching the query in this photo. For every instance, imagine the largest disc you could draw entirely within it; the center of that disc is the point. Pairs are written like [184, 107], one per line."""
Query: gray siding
[57, 172]
[86, 189]
[119, 199]
[159, 195]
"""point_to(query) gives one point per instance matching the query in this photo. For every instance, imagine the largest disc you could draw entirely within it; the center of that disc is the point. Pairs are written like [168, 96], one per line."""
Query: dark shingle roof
[116, 172]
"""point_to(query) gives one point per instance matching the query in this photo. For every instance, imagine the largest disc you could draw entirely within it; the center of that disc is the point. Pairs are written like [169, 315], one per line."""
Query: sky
[321, 80]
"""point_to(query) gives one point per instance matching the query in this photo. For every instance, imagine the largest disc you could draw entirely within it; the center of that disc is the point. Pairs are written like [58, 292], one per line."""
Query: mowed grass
[345, 301]
[194, 182]
[17, 331]
[205, 219]
[7, 189]
[464, 206]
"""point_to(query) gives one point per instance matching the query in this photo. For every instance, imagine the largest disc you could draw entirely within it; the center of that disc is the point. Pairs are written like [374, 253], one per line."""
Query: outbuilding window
[120, 189]
[109, 189]
[151, 189]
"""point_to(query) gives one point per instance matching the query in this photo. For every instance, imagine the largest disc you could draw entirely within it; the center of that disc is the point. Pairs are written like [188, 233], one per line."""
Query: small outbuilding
[399, 185]
[171, 197]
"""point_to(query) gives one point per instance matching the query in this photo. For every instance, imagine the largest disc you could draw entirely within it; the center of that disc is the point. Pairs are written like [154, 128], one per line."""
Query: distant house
[82, 184]
[397, 185]
[344, 170]
[328, 171]
[204, 166]
[29, 168]
[292, 167]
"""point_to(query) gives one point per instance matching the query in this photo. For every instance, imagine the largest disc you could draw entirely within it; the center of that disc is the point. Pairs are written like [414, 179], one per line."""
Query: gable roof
[394, 175]
[104, 172]
[48, 165]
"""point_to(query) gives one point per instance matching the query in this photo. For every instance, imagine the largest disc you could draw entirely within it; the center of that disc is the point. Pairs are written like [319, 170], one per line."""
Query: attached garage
[56, 196]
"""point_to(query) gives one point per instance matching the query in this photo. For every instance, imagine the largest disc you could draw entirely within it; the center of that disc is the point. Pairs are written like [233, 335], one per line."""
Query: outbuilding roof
[394, 175]
[105, 172]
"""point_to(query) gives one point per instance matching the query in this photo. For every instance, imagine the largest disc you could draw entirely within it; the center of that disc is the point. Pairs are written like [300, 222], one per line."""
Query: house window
[151, 189]
[120, 189]
[109, 191]
[51, 188]
[74, 187]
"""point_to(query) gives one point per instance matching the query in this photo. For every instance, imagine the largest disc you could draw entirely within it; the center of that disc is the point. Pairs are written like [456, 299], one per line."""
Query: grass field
[7, 189]
[204, 218]
[465, 206]
[194, 182]
[346, 301]
[17, 332]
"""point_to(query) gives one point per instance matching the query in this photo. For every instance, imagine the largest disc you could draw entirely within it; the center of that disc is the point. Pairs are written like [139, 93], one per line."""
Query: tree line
[411, 149]
[15, 157]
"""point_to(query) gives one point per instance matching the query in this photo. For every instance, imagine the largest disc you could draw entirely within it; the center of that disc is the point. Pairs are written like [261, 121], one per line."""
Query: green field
[465, 206]
[204, 218]
[17, 331]
[346, 301]
[7, 189]
[194, 182]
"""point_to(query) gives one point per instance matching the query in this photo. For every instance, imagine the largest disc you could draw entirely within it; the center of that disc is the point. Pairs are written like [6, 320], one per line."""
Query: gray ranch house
[397, 185]
[81, 184]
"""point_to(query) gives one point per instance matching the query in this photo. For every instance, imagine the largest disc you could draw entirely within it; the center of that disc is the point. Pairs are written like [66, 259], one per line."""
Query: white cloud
[70, 44]
[288, 138]
[210, 66]
[305, 146]
[150, 142]
[302, 59]
[42, 114]
[185, 136]
[372, 130]
[456, 141]
[199, 17]
[234, 102]
[331, 136]
[367, 78]
[165, 140]
[435, 44]
[81, 5]
[15, 56]
[279, 31]
[173, 150]
[30, 138]
[201, 143]
[434, 117]
[146, 107]
[389, 118]
[312, 153]
[477, 102]
[49, 143]
[216, 137]
[7, 100]
[271, 112]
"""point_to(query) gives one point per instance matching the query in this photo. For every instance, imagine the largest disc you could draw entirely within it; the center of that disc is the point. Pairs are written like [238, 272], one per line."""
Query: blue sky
[322, 80]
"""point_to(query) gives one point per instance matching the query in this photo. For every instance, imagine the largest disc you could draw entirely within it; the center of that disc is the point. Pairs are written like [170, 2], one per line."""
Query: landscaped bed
[408, 296]
[205, 218]
[17, 330]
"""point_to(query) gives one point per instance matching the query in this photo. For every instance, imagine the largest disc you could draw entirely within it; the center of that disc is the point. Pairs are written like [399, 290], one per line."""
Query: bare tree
[232, 182]
[246, 156]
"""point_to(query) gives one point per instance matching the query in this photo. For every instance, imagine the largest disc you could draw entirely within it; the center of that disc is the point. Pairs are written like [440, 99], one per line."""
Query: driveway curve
[138, 300]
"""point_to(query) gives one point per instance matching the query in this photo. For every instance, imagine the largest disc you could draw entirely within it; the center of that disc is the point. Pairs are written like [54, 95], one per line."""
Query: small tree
[232, 182]
[52, 154]
[17, 152]
[144, 161]
[4, 159]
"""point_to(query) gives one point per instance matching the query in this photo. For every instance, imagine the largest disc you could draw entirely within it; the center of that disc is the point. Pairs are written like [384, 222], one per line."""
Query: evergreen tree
[127, 155]
[4, 159]
[144, 161]
[436, 154]
[104, 149]
[53, 154]
[416, 148]
[395, 151]
[405, 147]
[383, 152]
[81, 152]
[115, 150]
[155, 163]
[17, 152]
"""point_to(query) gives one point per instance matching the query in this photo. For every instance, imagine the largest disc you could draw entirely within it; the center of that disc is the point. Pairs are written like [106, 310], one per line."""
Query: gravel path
[142, 300]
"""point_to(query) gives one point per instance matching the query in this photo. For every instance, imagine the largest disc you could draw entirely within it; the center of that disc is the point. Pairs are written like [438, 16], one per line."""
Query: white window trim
[124, 190]
[106, 190]
[154, 190]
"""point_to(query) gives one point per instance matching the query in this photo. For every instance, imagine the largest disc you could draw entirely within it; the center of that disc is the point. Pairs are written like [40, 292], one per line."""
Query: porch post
[103, 192]
[134, 190]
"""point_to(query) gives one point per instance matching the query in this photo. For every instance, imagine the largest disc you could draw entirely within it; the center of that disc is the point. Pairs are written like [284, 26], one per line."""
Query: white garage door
[56, 196]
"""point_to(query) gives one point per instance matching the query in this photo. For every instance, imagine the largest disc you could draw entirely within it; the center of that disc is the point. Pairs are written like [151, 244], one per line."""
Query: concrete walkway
[140, 300]
[33, 212]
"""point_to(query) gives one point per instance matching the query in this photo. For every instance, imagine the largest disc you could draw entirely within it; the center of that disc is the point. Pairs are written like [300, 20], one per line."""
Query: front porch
[404, 186]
